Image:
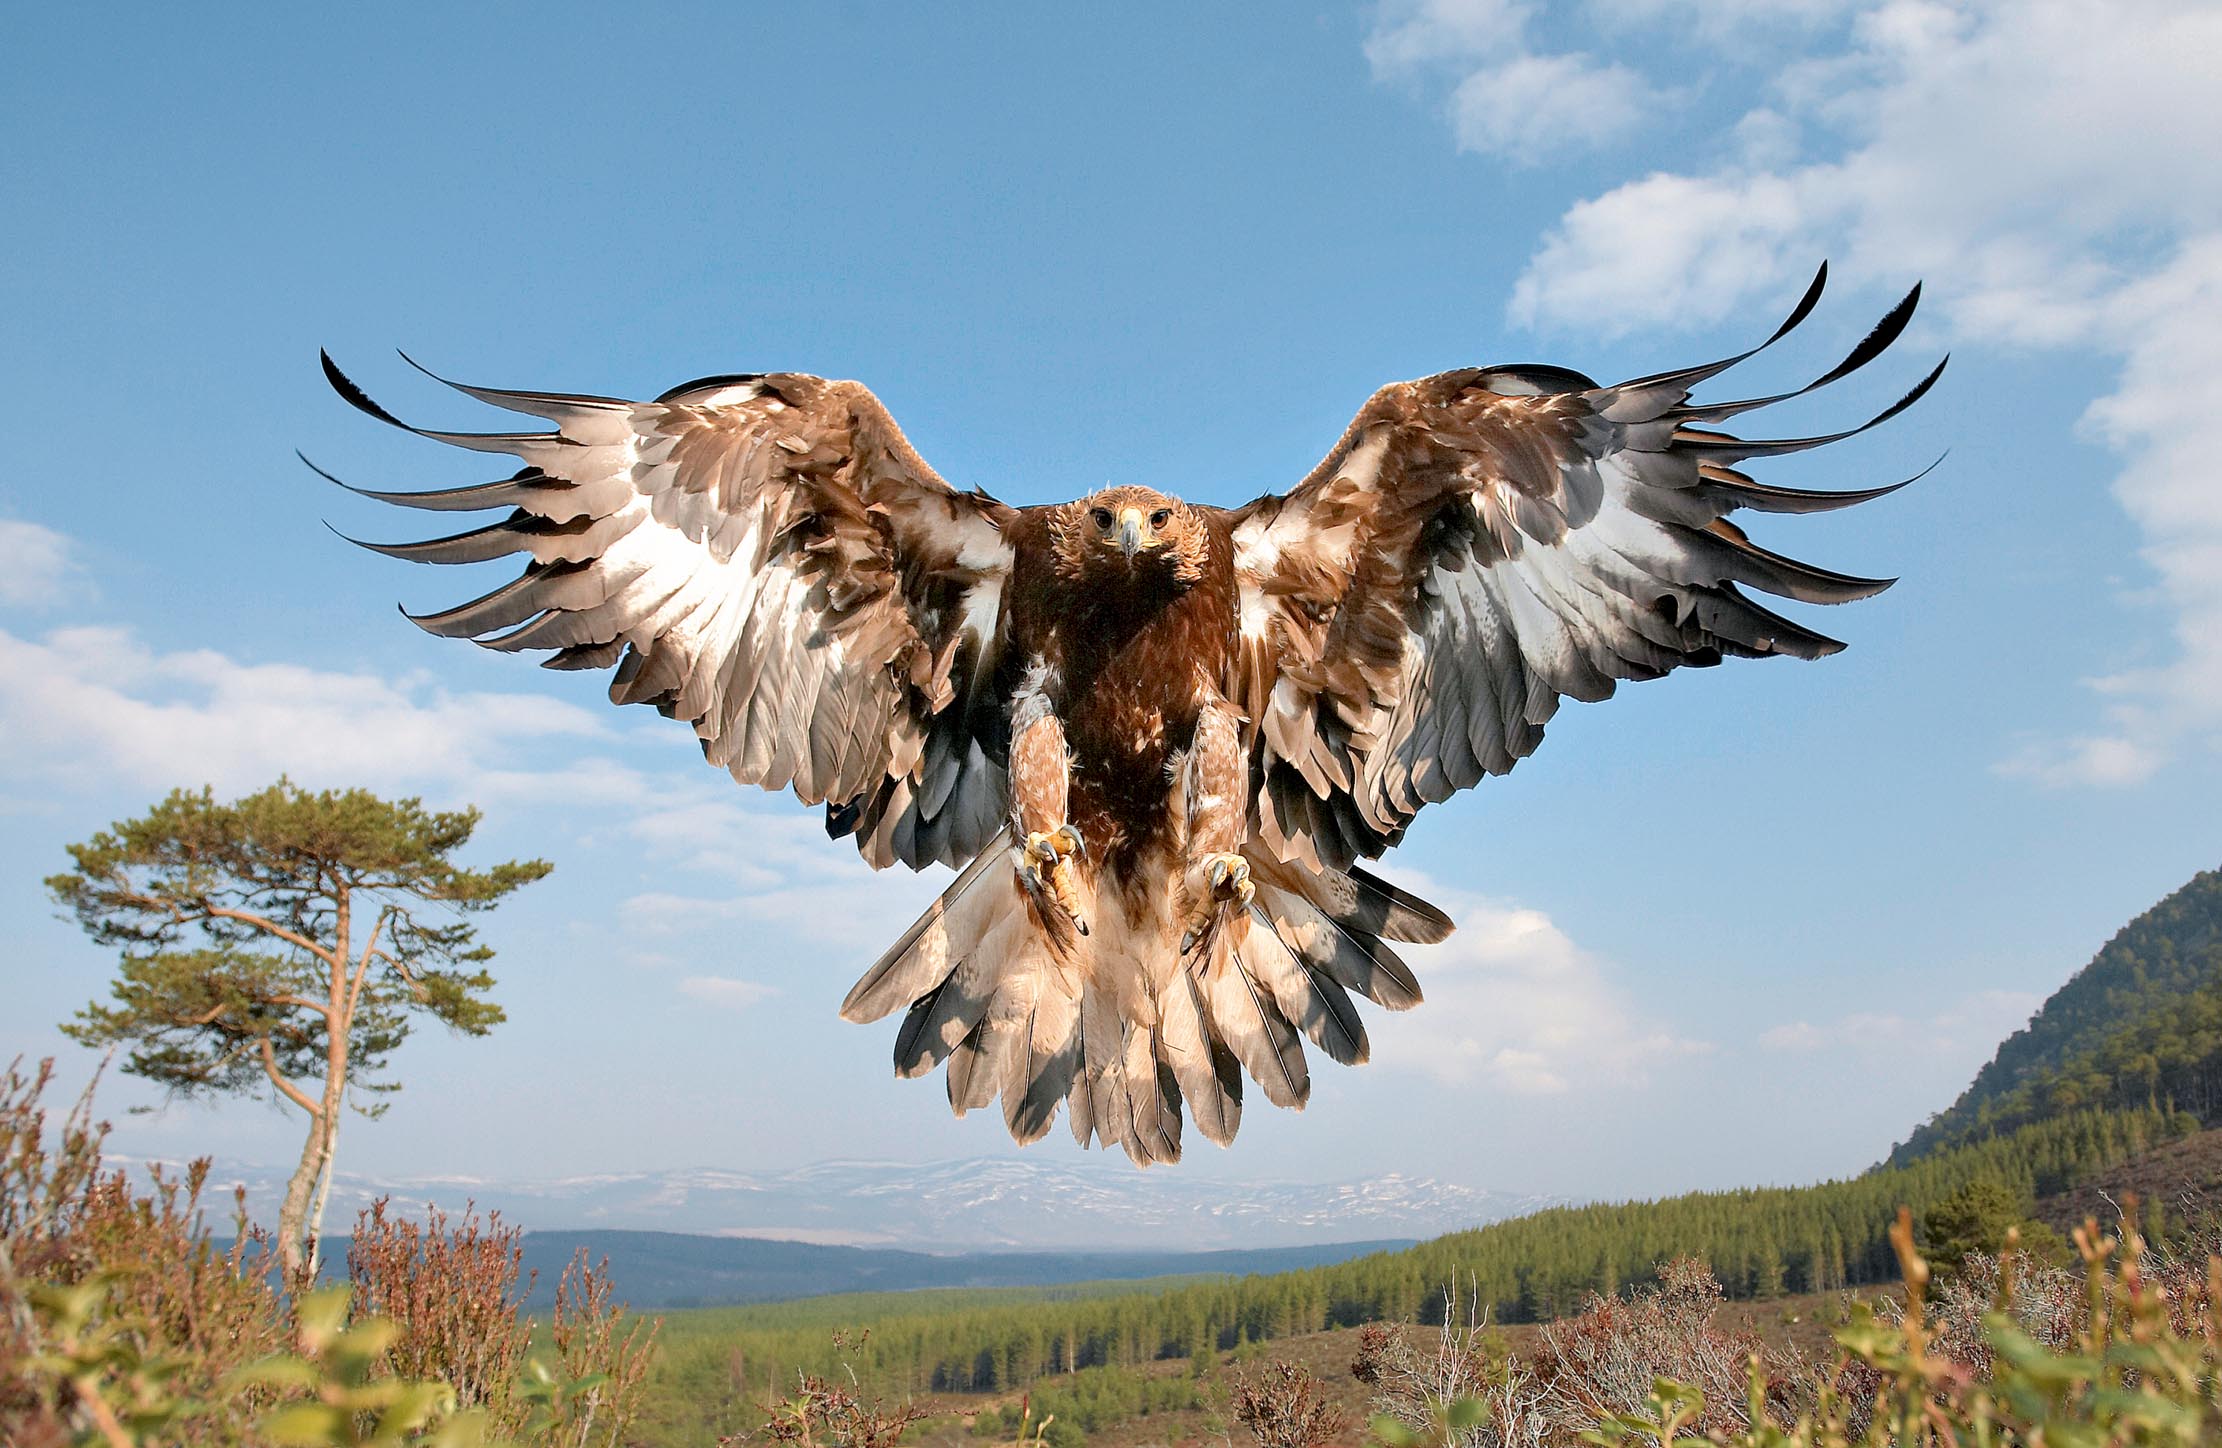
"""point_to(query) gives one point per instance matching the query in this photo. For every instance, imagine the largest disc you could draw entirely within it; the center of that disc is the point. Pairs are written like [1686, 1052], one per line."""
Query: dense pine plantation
[1760, 1242]
[2142, 1022]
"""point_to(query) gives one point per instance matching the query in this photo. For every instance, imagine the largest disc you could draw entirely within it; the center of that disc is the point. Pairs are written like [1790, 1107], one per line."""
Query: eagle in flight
[1156, 738]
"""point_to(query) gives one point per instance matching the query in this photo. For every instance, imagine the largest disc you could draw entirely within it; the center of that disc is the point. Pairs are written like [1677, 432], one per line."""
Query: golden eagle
[1155, 737]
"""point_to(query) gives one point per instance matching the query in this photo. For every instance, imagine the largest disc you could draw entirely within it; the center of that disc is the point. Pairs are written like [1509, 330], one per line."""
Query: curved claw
[1218, 899]
[1044, 872]
[1049, 846]
[1229, 878]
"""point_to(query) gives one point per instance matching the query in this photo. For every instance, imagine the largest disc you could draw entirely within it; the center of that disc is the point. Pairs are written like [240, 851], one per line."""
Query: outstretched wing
[1483, 543]
[768, 559]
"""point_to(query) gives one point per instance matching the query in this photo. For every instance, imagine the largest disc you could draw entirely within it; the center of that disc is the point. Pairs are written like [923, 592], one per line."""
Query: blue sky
[1741, 925]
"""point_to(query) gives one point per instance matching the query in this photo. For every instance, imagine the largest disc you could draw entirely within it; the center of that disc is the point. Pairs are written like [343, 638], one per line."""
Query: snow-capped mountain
[983, 1204]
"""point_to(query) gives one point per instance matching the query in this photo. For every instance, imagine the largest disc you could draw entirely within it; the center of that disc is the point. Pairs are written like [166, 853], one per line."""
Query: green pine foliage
[1078, 1407]
[283, 942]
[229, 915]
[1760, 1241]
[1975, 1219]
[2141, 1023]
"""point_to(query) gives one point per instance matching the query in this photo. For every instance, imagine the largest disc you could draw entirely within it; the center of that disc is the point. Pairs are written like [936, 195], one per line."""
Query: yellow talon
[1219, 891]
[1229, 878]
[1044, 871]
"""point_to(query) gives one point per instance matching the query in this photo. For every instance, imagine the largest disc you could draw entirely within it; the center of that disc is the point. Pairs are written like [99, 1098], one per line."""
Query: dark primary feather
[766, 558]
[1484, 543]
[508, 492]
[1873, 345]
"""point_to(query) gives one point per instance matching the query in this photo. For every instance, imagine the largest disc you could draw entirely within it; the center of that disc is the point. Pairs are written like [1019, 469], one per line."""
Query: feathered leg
[1215, 886]
[1046, 840]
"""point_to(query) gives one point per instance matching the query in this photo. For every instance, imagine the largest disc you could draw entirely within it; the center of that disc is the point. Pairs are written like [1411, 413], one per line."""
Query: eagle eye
[1161, 517]
[1102, 517]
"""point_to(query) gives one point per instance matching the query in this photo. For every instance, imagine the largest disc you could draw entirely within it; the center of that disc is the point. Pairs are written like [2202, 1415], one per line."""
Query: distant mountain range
[983, 1205]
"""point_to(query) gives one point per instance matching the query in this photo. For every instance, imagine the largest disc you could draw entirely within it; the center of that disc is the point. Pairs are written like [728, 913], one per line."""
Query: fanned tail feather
[1205, 1071]
[1122, 1028]
[1046, 1059]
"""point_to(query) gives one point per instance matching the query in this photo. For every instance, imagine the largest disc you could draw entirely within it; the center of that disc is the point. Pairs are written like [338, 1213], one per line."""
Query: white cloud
[1510, 101]
[1533, 108]
[2098, 759]
[37, 564]
[96, 702]
[768, 866]
[84, 705]
[714, 833]
[1796, 1036]
[2029, 158]
[1971, 1026]
[1736, 19]
[1413, 35]
[1669, 249]
[1513, 1002]
[724, 991]
[858, 916]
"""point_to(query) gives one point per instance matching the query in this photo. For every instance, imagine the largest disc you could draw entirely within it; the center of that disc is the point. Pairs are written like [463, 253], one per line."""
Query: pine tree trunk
[324, 1181]
[339, 1023]
[293, 1214]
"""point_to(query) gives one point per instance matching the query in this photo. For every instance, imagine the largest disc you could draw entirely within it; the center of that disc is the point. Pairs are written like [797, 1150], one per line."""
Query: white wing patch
[741, 551]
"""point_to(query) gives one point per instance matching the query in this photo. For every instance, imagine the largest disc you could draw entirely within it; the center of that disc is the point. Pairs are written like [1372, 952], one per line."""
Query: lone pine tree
[283, 942]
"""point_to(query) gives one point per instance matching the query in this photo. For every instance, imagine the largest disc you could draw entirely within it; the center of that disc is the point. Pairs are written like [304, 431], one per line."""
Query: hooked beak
[1130, 532]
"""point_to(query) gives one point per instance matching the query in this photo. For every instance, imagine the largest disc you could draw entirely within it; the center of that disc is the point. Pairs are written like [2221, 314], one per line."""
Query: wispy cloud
[99, 702]
[1507, 99]
[1741, 20]
[38, 566]
[730, 861]
[724, 992]
[1514, 1003]
[1971, 1025]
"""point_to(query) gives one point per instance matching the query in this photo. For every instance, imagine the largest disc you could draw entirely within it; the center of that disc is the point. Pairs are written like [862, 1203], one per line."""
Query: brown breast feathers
[1131, 655]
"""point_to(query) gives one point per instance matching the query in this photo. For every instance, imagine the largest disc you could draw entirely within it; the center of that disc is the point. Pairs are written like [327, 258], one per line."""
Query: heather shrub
[1608, 1358]
[117, 1306]
[2133, 1357]
[454, 1295]
[826, 1413]
[2124, 1347]
[602, 1352]
[1284, 1406]
[1459, 1386]
[1464, 1388]
[122, 1323]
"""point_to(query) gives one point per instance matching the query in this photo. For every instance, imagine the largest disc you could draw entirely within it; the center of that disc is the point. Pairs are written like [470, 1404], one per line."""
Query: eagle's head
[1130, 533]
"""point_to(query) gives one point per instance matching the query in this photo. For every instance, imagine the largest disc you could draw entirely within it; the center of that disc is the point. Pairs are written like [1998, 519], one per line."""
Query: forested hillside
[1760, 1241]
[2140, 1024]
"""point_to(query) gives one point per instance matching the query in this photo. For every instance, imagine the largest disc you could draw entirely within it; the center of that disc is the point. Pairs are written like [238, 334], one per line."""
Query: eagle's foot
[1228, 875]
[1045, 870]
[1225, 889]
